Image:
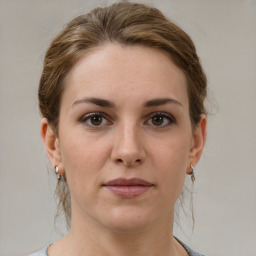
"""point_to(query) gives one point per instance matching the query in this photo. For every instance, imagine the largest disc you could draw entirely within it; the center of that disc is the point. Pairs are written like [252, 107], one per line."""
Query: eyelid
[170, 117]
[86, 117]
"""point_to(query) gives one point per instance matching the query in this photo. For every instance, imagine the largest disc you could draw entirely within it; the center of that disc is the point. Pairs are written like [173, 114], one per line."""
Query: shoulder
[192, 252]
[189, 250]
[42, 252]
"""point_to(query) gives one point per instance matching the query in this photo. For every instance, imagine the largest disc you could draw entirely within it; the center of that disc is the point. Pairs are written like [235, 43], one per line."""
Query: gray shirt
[190, 252]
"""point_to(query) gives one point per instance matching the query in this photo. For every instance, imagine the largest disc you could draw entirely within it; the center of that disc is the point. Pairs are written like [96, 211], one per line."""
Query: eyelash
[166, 117]
[169, 118]
[88, 117]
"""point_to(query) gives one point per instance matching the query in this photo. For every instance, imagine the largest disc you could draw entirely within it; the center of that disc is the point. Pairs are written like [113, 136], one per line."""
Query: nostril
[128, 162]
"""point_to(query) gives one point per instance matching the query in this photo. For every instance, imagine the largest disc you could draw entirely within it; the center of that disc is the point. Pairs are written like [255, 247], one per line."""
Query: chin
[129, 220]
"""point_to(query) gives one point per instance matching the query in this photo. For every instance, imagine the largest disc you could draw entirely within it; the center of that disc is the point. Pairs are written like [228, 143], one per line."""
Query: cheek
[74, 154]
[78, 149]
[83, 159]
[172, 151]
[170, 160]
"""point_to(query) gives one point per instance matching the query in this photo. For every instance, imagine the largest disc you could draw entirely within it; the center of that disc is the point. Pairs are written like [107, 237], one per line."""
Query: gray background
[225, 191]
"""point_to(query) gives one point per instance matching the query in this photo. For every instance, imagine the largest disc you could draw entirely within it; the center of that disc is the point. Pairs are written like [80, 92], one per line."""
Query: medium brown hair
[127, 24]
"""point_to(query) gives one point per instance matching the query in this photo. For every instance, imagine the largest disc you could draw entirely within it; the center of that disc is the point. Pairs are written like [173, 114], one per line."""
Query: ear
[197, 143]
[51, 143]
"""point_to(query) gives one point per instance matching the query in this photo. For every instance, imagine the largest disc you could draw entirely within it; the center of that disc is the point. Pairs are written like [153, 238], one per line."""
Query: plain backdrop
[224, 32]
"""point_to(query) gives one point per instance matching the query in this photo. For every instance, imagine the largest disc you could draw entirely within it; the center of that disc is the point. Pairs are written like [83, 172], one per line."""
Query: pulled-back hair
[127, 24]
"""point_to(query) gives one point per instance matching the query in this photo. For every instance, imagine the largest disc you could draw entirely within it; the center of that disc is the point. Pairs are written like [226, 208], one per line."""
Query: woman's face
[125, 137]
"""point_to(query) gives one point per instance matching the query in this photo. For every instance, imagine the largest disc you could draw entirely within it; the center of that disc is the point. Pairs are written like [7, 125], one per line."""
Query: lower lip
[128, 191]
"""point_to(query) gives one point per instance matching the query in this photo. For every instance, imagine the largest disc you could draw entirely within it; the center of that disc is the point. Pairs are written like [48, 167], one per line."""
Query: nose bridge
[128, 148]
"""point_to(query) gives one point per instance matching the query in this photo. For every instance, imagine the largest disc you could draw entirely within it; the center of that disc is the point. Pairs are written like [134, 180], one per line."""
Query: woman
[121, 95]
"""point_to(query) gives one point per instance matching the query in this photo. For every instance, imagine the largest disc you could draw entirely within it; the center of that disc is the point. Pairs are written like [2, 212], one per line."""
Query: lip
[128, 188]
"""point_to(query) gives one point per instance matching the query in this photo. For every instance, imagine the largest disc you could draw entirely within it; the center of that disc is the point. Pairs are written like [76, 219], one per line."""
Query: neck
[87, 237]
[143, 242]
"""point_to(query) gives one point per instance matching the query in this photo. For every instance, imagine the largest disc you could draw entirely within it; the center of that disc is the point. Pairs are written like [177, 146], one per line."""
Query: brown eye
[96, 120]
[157, 120]
[160, 120]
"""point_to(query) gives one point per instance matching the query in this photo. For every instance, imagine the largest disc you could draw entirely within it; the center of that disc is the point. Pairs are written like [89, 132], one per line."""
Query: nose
[128, 146]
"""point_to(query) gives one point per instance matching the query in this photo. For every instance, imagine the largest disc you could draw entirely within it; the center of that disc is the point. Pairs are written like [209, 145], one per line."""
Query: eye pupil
[157, 120]
[96, 120]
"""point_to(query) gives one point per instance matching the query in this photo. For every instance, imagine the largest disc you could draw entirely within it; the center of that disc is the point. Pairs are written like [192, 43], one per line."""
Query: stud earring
[57, 172]
[193, 178]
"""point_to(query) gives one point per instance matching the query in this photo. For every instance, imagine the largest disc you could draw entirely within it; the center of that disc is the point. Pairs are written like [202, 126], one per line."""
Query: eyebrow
[161, 101]
[96, 101]
[106, 103]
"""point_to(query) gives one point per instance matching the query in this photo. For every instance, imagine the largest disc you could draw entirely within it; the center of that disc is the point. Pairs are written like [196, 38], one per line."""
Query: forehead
[118, 72]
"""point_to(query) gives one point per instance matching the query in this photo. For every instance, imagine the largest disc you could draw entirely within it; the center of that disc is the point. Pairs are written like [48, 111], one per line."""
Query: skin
[126, 142]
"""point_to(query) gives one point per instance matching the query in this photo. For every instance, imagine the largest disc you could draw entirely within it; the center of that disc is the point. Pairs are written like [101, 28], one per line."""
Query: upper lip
[128, 182]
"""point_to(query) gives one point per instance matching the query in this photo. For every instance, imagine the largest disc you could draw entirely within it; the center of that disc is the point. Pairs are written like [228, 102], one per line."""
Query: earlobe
[51, 143]
[198, 142]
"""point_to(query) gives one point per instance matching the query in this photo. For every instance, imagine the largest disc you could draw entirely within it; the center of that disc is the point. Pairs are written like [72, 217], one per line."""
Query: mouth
[128, 188]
